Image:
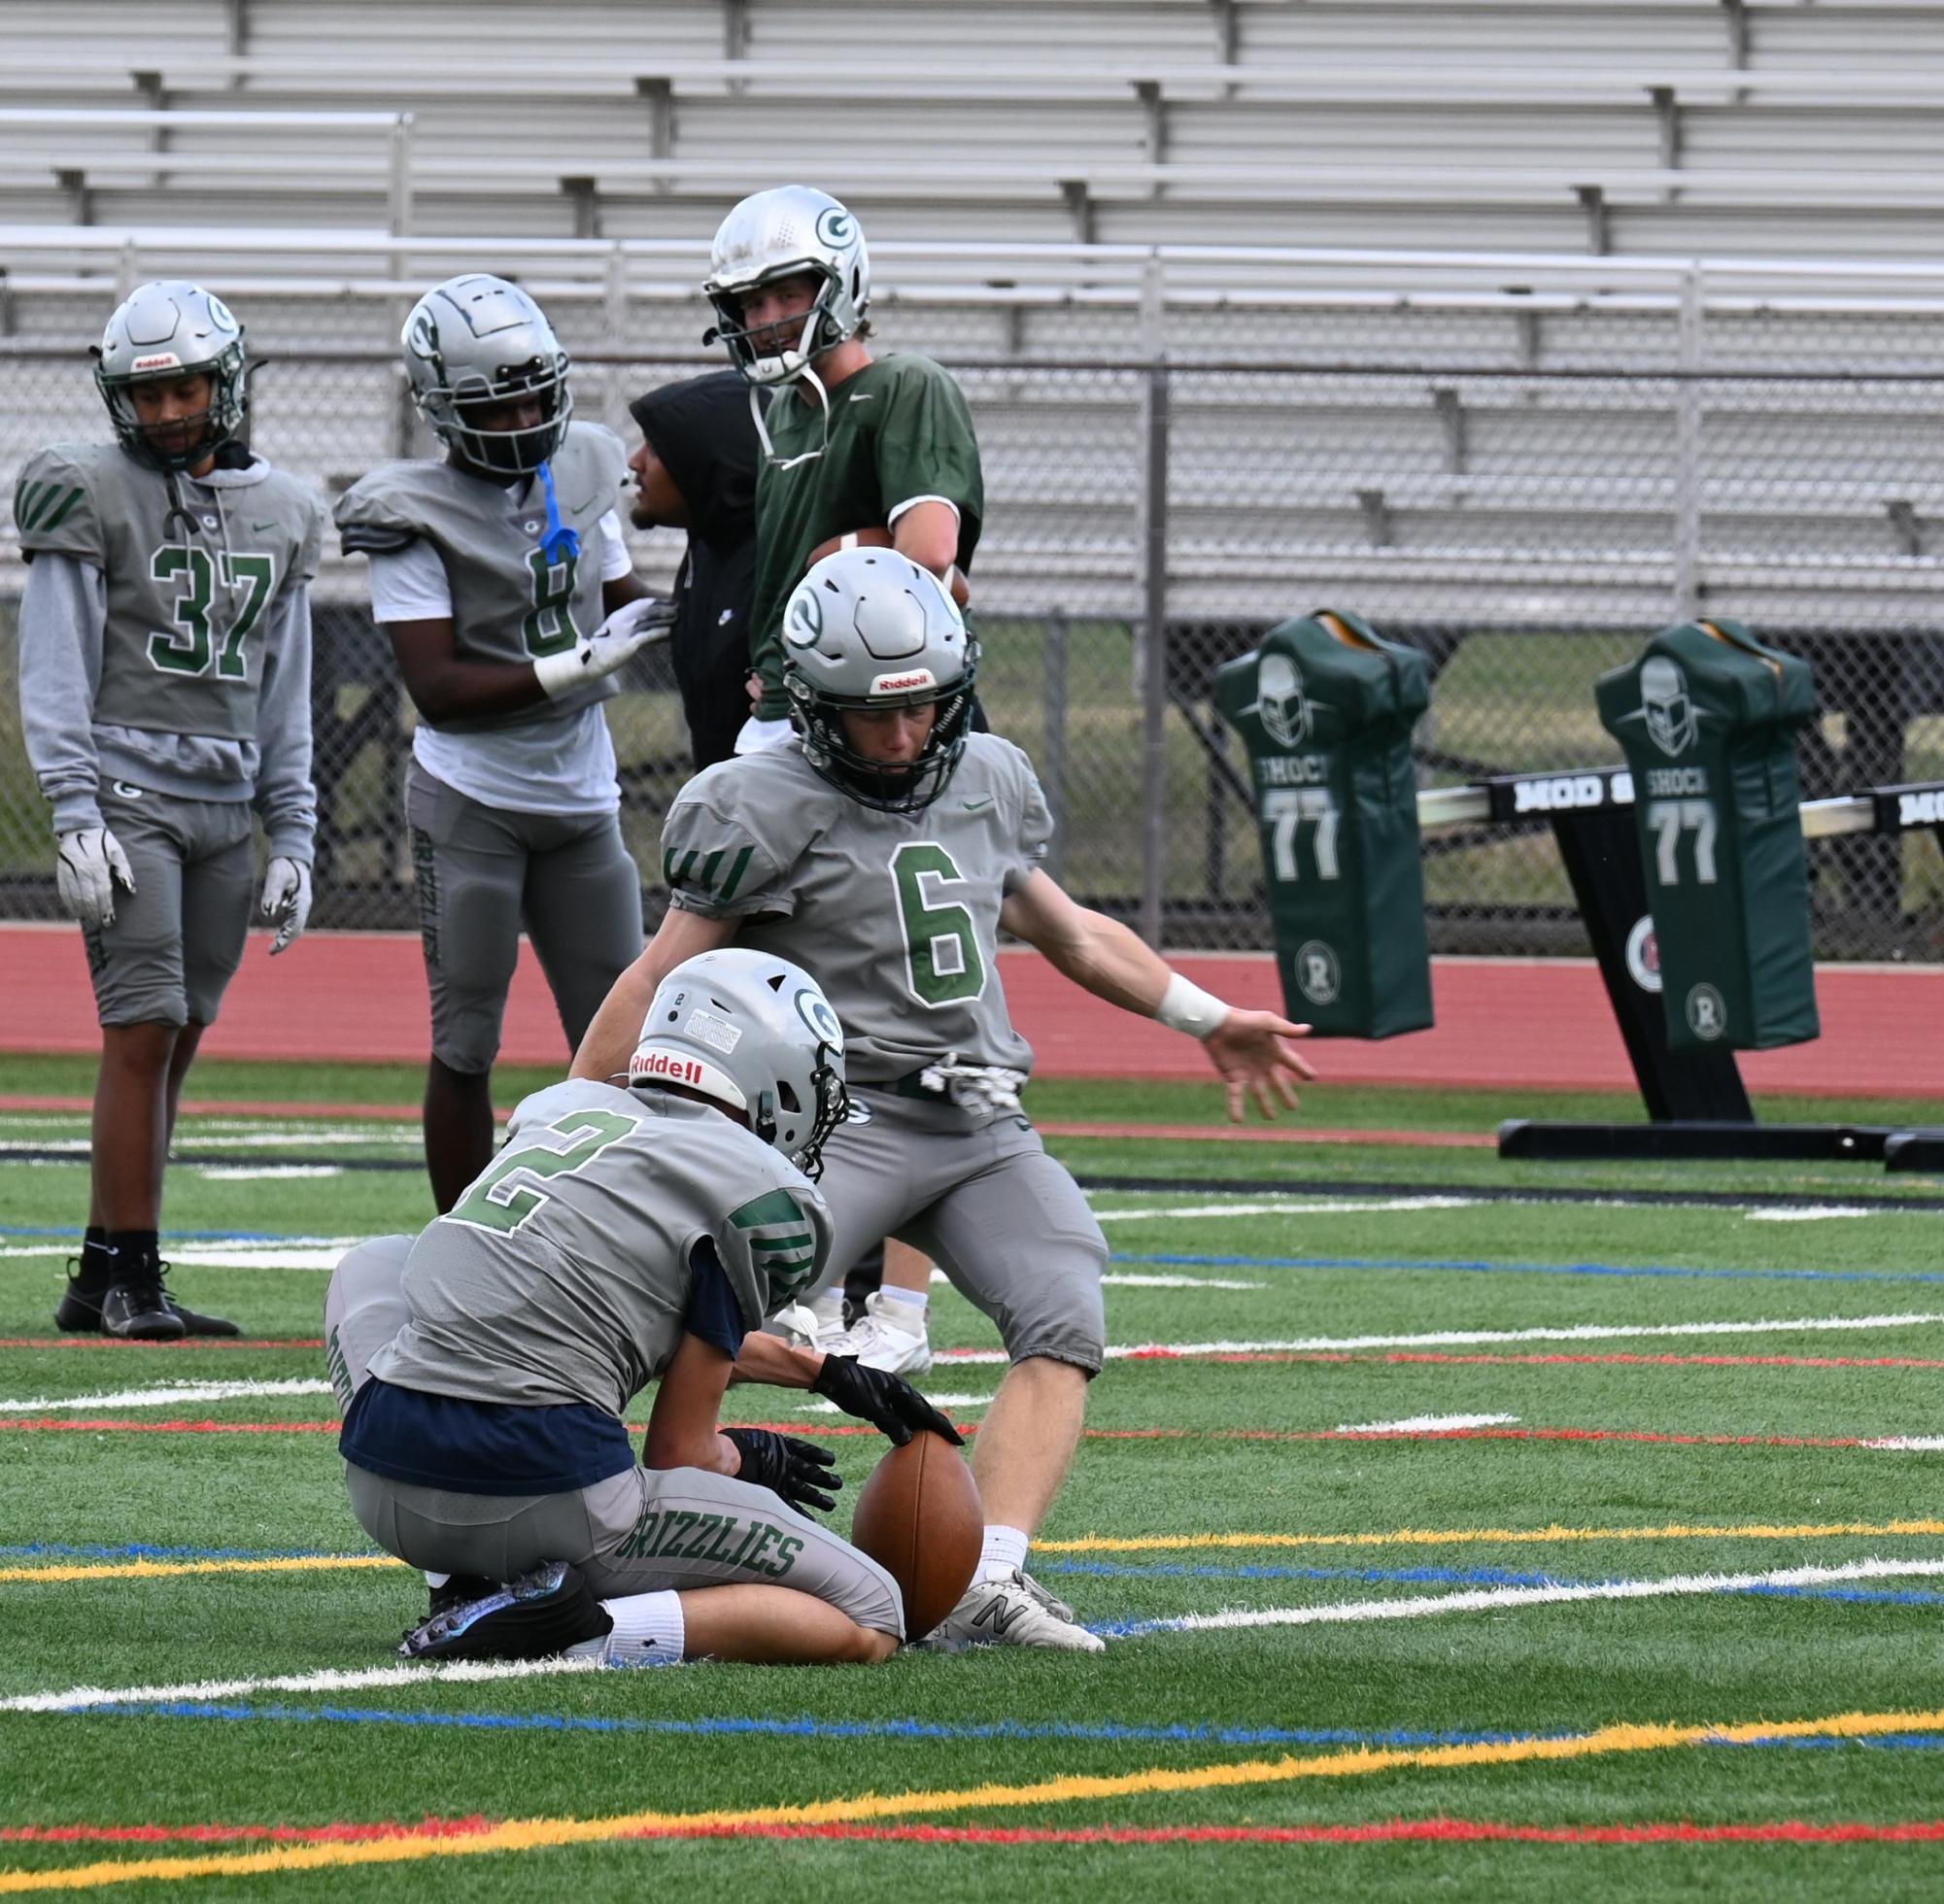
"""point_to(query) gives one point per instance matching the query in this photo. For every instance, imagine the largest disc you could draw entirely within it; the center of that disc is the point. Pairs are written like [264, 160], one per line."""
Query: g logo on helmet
[836, 228]
[814, 1009]
[422, 336]
[805, 620]
[220, 312]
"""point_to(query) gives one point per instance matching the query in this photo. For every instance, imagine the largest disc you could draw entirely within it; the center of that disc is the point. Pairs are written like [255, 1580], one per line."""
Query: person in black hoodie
[696, 470]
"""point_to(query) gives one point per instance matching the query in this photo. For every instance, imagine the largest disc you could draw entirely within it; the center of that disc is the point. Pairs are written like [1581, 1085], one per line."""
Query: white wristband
[1186, 1008]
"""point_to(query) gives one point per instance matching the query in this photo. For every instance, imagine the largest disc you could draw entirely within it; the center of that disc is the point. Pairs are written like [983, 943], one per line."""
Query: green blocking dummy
[1708, 718]
[1325, 706]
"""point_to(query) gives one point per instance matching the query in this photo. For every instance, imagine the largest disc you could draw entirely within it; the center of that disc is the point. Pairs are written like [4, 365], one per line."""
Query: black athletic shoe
[138, 1310]
[80, 1310]
[538, 1616]
[460, 1590]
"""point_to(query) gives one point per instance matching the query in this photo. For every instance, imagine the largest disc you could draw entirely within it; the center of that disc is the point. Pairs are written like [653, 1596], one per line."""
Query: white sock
[649, 1630]
[436, 1580]
[915, 1298]
[1005, 1549]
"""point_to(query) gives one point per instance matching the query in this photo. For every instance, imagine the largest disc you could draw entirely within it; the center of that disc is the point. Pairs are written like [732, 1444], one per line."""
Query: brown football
[919, 1518]
[880, 538]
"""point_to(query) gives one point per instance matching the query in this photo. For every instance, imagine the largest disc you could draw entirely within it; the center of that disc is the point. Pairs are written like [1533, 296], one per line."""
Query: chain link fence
[1523, 488]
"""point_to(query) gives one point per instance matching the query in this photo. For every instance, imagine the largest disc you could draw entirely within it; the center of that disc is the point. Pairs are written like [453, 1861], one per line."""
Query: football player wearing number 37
[501, 578]
[165, 684]
[885, 848]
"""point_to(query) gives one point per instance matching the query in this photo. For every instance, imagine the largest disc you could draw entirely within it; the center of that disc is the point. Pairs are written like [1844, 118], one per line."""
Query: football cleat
[137, 1309]
[458, 1590]
[81, 1312]
[551, 1609]
[881, 1338]
[1012, 1610]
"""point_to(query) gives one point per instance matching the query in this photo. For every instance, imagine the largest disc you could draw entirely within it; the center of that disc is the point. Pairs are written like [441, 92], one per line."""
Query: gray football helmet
[756, 1033]
[161, 331]
[775, 234]
[871, 628]
[475, 340]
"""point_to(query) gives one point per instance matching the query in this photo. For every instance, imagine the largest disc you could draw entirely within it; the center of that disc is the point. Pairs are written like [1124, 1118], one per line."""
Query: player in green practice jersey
[886, 847]
[850, 441]
[165, 684]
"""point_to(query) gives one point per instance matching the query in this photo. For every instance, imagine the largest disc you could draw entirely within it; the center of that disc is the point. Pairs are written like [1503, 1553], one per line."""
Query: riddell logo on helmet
[899, 684]
[661, 1064]
[158, 360]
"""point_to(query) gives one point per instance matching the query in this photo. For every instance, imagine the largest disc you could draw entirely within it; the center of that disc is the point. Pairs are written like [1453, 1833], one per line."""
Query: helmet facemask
[766, 354]
[453, 409]
[885, 787]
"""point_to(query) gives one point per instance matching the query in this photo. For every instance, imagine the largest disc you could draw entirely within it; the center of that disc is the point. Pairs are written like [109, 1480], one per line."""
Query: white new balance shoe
[882, 1337]
[1012, 1610]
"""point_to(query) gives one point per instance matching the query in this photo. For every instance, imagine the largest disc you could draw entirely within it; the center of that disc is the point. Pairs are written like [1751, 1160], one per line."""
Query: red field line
[61, 1424]
[186, 1341]
[1581, 1361]
[233, 1834]
[1502, 1023]
[1161, 1132]
[1438, 1830]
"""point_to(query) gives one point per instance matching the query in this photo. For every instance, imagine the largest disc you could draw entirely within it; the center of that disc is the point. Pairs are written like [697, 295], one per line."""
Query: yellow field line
[537, 1833]
[156, 1570]
[1465, 1536]
[130, 1570]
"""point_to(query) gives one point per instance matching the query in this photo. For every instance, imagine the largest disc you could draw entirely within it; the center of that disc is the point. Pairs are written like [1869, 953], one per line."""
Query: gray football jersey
[509, 603]
[182, 651]
[895, 914]
[564, 1271]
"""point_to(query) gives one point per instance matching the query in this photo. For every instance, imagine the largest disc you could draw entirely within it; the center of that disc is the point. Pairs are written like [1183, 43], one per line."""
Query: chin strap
[769, 455]
[561, 543]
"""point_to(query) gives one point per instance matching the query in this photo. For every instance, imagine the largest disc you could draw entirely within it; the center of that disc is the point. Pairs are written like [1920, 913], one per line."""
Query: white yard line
[1498, 1599]
[1424, 1424]
[1908, 1443]
[462, 1671]
[164, 1397]
[1821, 1213]
[1288, 1207]
[254, 1172]
[1583, 1332]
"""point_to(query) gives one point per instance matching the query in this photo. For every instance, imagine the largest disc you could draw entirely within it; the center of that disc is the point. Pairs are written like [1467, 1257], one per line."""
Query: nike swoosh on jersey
[257, 529]
[973, 806]
[861, 396]
[581, 508]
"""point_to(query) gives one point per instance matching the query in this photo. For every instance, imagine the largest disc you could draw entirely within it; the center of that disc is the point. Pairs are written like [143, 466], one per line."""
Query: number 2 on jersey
[190, 646]
[943, 964]
[505, 1195]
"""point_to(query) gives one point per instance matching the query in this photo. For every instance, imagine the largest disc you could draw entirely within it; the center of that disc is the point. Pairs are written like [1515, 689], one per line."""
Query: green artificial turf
[1713, 1425]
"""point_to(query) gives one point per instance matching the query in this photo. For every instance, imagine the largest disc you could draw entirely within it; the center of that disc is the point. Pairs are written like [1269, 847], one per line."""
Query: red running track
[1502, 1023]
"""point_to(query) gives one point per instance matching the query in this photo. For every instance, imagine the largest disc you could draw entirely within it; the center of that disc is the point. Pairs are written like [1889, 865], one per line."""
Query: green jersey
[899, 434]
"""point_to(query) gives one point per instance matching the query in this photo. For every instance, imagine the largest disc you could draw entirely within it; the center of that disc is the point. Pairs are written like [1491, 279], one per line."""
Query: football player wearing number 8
[886, 848]
[634, 1232]
[165, 683]
[492, 572]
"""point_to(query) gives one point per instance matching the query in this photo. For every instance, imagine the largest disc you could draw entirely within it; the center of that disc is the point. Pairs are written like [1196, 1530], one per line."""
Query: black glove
[798, 1471]
[888, 1402]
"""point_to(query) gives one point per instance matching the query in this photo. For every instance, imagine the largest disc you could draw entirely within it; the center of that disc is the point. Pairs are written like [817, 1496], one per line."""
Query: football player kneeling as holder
[634, 1231]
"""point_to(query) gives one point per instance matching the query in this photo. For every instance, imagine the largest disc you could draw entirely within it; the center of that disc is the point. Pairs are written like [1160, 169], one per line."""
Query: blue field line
[142, 1551]
[1482, 1267]
[925, 1730]
[167, 1236]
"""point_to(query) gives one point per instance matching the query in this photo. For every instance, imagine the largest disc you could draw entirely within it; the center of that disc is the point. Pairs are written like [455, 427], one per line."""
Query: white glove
[286, 899]
[612, 645]
[89, 865]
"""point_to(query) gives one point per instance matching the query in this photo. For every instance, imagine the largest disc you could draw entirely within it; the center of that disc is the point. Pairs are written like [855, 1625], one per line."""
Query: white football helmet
[161, 331]
[871, 628]
[756, 1033]
[776, 234]
[477, 339]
